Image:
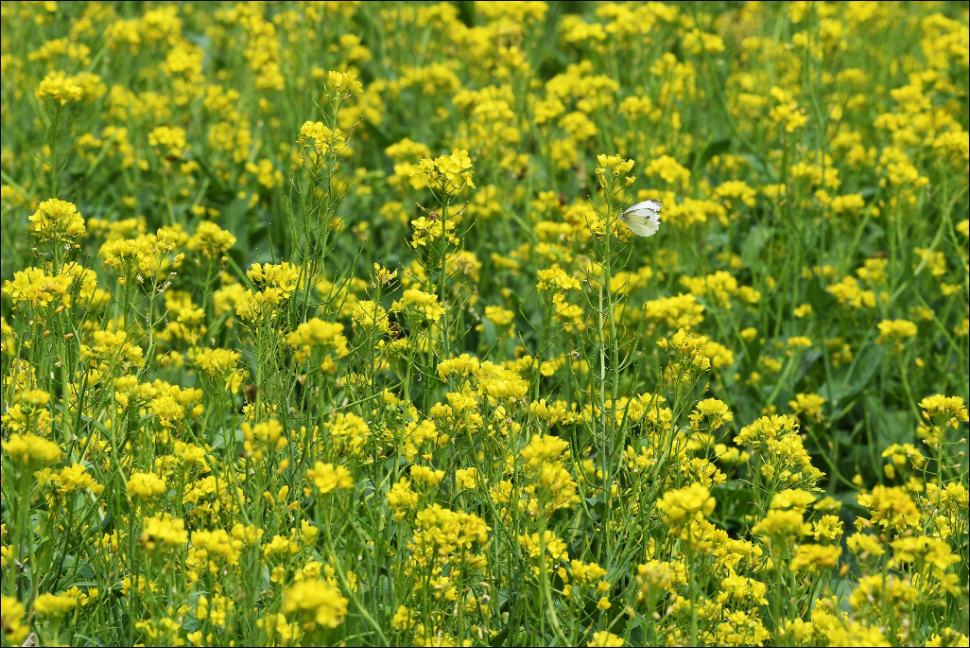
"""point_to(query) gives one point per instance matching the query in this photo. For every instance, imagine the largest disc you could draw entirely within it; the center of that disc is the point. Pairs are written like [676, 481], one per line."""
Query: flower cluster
[319, 324]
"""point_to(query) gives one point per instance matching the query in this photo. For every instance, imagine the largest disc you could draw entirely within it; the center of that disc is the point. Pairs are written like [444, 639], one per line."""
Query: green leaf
[757, 239]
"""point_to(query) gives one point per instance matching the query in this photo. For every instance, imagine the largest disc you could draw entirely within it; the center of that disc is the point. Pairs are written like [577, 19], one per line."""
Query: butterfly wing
[643, 222]
[652, 205]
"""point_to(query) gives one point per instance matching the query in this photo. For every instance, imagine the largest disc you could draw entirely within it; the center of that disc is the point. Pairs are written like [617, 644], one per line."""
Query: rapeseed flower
[350, 345]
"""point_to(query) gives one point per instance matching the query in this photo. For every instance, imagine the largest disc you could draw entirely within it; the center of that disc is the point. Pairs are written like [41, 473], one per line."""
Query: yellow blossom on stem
[328, 478]
[316, 603]
[58, 221]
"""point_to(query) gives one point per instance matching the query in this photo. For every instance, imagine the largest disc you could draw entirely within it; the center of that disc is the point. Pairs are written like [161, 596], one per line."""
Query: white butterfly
[644, 218]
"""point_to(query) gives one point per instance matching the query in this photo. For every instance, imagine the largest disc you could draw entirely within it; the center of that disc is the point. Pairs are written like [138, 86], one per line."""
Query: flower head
[58, 221]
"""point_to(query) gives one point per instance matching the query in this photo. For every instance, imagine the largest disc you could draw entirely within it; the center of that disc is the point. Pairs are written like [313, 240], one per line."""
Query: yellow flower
[218, 543]
[467, 479]
[58, 221]
[850, 204]
[606, 640]
[940, 413]
[792, 500]
[220, 364]
[499, 316]
[170, 141]
[321, 138]
[658, 576]
[828, 528]
[809, 407]
[799, 343]
[617, 166]
[368, 315]
[923, 551]
[680, 312]
[76, 478]
[964, 228]
[163, 532]
[683, 506]
[455, 166]
[557, 279]
[551, 483]
[883, 592]
[344, 83]
[351, 432]
[54, 607]
[145, 486]
[266, 174]
[740, 629]
[784, 526]
[430, 229]
[425, 476]
[262, 438]
[421, 302]
[328, 478]
[949, 637]
[211, 240]
[891, 508]
[401, 499]
[30, 449]
[935, 261]
[555, 548]
[318, 603]
[715, 413]
[545, 449]
[13, 624]
[317, 334]
[464, 366]
[814, 558]
[285, 277]
[403, 619]
[448, 174]
[669, 171]
[786, 111]
[444, 537]
[60, 88]
[736, 191]
[384, 276]
[690, 349]
[896, 332]
[951, 409]
[865, 546]
[740, 589]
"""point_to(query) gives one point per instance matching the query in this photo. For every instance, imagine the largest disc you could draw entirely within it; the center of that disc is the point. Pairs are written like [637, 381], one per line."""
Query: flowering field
[322, 324]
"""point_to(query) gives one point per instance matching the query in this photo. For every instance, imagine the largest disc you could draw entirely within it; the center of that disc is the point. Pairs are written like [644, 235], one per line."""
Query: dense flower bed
[321, 324]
